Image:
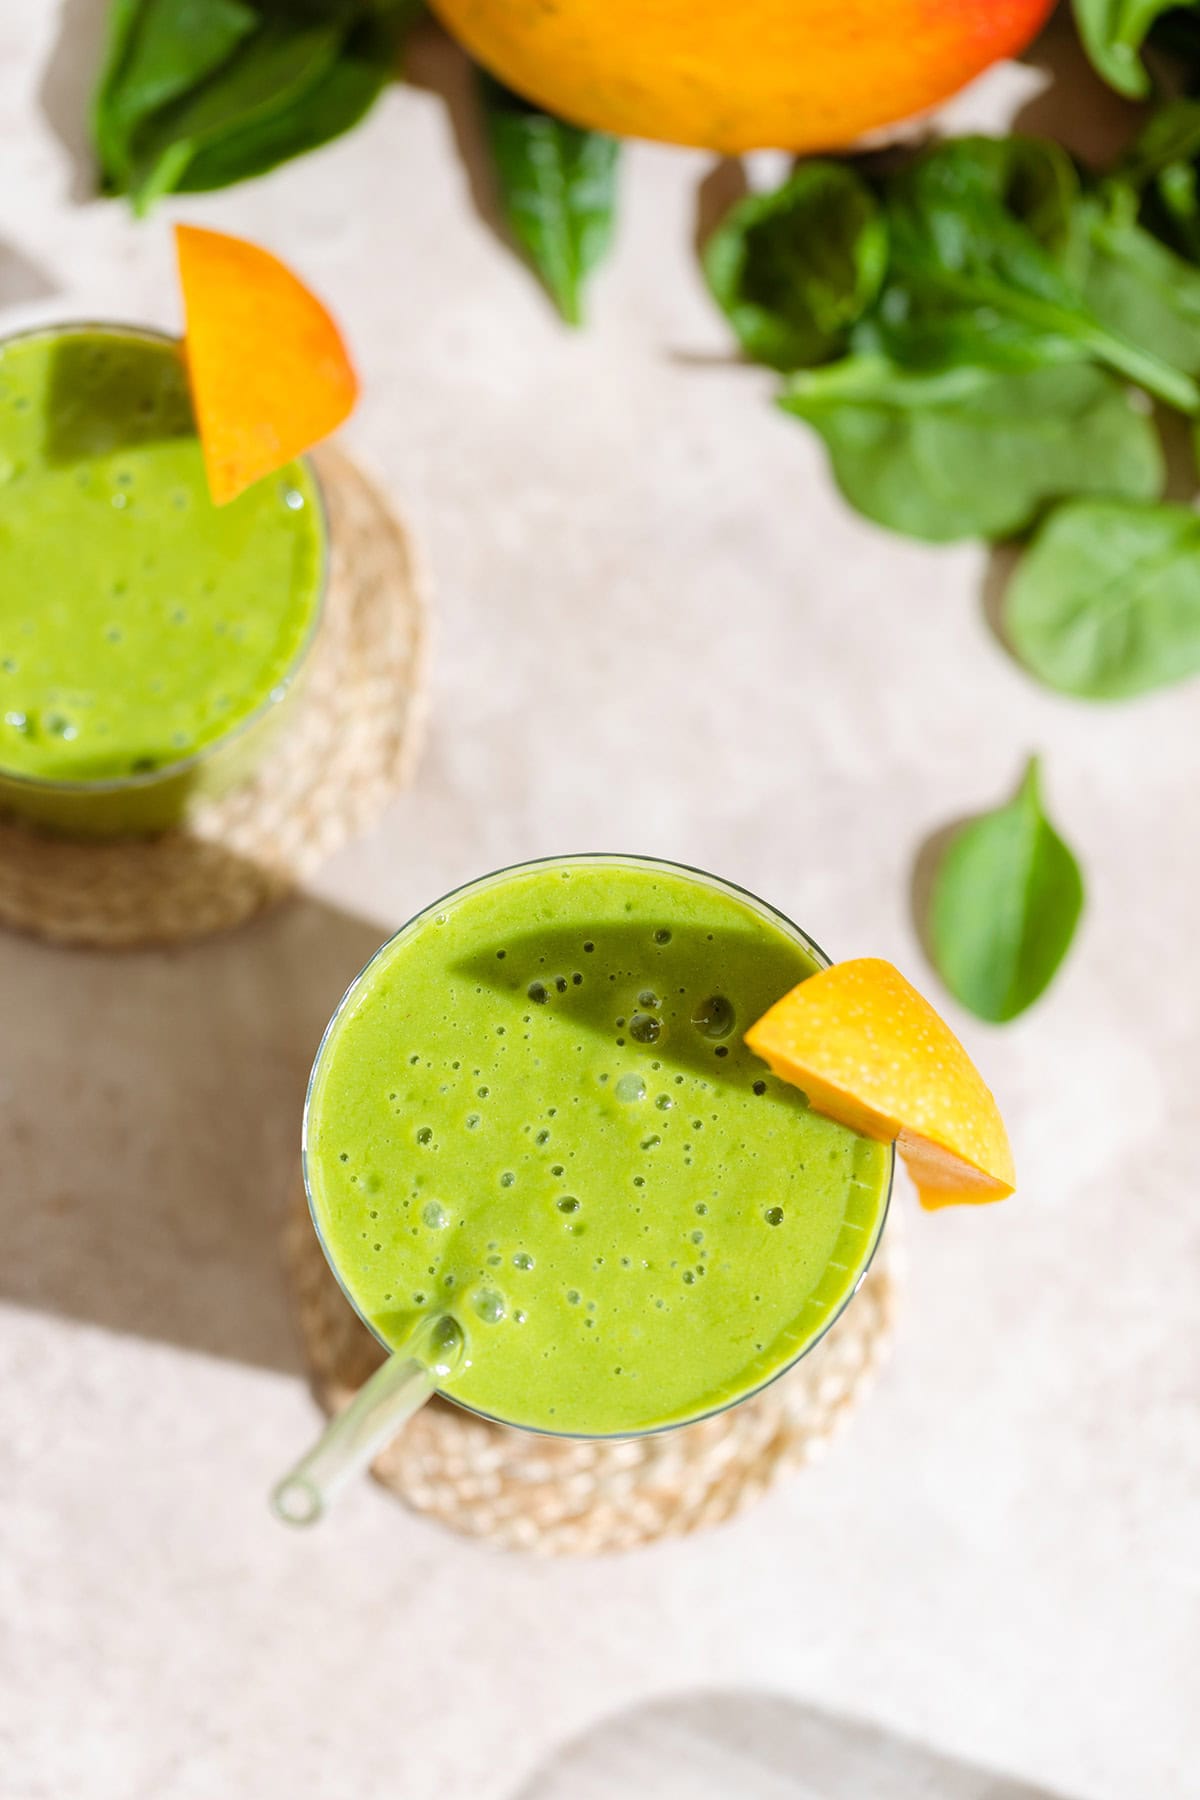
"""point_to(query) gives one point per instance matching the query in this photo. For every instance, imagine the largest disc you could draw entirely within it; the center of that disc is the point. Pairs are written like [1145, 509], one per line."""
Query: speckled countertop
[657, 628]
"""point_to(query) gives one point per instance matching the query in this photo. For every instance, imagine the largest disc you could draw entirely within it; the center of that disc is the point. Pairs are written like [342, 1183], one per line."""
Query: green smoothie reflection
[534, 1111]
[140, 626]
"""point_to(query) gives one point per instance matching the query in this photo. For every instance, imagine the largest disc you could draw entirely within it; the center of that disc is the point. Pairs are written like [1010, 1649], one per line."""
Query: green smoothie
[139, 624]
[534, 1111]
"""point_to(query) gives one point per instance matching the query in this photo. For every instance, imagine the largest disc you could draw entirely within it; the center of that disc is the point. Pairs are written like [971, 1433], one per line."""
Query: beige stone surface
[657, 629]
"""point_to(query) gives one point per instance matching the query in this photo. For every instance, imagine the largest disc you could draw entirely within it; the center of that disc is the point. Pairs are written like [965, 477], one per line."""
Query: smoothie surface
[139, 623]
[535, 1111]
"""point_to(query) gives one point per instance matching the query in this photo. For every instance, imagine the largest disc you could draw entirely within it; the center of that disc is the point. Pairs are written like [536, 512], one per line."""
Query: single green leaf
[558, 188]
[1106, 603]
[1136, 286]
[335, 103]
[271, 70]
[1006, 900]
[1113, 33]
[158, 50]
[795, 269]
[971, 452]
[985, 269]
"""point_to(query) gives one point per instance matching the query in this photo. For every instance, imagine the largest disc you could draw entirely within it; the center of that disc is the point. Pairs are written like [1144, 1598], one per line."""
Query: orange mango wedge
[869, 1051]
[269, 373]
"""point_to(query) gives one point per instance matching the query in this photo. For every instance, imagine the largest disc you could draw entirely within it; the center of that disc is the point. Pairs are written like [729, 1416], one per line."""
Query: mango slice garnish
[870, 1052]
[269, 373]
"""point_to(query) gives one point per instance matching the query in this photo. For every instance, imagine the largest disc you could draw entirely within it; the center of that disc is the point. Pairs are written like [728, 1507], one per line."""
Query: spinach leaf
[1106, 603]
[984, 269]
[1113, 32]
[1006, 900]
[157, 51]
[795, 269]
[558, 188]
[201, 93]
[1136, 286]
[973, 452]
[273, 69]
[335, 102]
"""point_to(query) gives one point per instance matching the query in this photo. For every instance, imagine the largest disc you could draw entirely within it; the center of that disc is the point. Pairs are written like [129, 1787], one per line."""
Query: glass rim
[78, 787]
[795, 931]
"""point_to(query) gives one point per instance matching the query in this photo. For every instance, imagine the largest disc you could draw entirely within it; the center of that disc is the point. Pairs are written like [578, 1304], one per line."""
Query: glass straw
[355, 1437]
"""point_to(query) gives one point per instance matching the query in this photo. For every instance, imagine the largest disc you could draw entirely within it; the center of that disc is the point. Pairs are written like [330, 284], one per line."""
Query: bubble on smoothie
[662, 935]
[760, 1087]
[293, 499]
[507, 1179]
[689, 1275]
[425, 1134]
[522, 1259]
[714, 1017]
[472, 1121]
[629, 1089]
[543, 1137]
[644, 1028]
[435, 1216]
[652, 1142]
[664, 1103]
[537, 993]
[774, 1215]
[568, 1204]
[573, 1296]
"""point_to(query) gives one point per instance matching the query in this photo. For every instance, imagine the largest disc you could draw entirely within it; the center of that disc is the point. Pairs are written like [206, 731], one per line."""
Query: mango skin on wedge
[269, 373]
[870, 1052]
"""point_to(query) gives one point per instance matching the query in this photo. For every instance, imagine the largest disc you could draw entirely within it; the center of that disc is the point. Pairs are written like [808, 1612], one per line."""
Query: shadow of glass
[150, 1108]
[20, 279]
[596, 992]
[711, 1746]
[105, 395]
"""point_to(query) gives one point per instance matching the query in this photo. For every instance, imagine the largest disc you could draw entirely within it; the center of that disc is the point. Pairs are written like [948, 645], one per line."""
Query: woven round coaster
[351, 742]
[565, 1496]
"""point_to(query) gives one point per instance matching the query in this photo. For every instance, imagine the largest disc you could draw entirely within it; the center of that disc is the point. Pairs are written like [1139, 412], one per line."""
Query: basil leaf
[1006, 899]
[970, 452]
[332, 105]
[984, 269]
[557, 186]
[1106, 603]
[157, 51]
[1113, 32]
[795, 269]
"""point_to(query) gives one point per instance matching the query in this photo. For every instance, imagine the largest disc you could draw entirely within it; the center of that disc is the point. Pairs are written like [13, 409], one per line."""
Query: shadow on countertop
[65, 92]
[714, 1745]
[150, 1109]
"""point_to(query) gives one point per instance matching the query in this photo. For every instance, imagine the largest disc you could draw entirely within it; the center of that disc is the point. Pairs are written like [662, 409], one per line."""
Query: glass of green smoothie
[149, 640]
[551, 1178]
